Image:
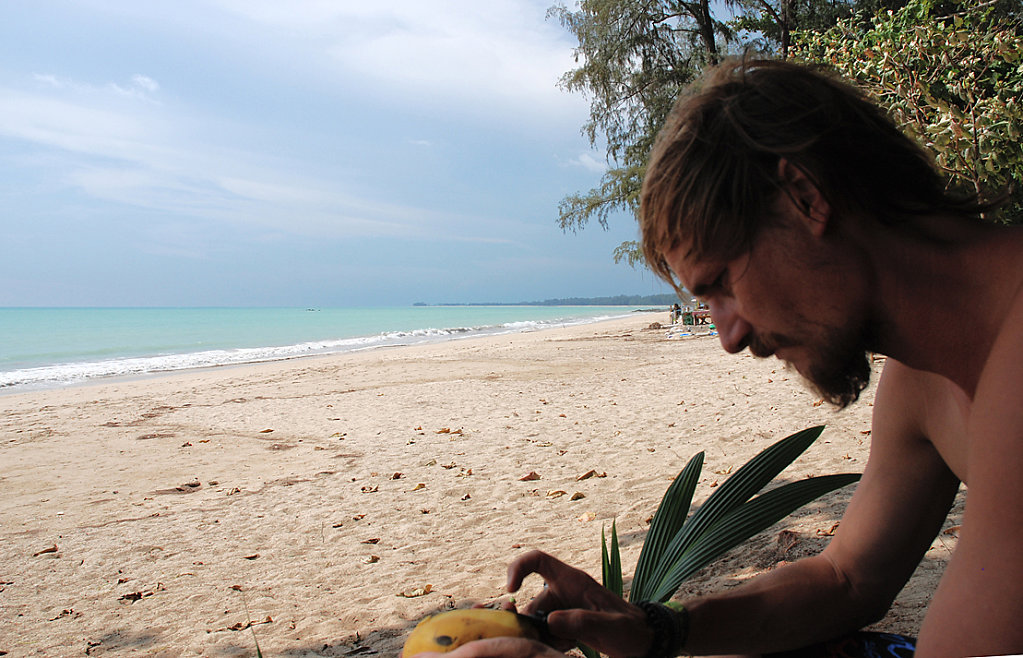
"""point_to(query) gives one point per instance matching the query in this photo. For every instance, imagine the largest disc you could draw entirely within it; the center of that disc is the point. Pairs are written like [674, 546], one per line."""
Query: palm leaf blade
[667, 521]
[744, 522]
[612, 562]
[736, 490]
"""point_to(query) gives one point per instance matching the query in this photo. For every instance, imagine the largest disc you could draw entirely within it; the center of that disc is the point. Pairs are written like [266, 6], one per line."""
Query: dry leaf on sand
[417, 591]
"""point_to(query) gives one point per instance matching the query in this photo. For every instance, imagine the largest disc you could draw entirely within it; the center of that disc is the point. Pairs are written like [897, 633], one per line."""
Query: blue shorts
[863, 644]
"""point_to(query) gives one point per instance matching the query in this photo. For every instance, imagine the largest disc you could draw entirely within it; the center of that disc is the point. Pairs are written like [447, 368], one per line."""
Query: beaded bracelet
[670, 626]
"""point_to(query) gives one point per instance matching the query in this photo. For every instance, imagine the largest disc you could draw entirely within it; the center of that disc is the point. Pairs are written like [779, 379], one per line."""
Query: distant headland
[617, 300]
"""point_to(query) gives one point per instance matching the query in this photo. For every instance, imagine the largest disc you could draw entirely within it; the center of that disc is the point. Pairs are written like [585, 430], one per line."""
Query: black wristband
[670, 627]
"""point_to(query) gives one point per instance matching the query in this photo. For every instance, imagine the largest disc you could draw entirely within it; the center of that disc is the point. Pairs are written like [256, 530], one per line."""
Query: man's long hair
[713, 172]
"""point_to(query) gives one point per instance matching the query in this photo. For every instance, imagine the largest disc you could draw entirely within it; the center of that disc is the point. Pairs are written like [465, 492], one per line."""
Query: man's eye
[716, 286]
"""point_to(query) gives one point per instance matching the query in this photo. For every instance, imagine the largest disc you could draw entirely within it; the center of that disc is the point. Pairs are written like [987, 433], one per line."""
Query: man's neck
[941, 306]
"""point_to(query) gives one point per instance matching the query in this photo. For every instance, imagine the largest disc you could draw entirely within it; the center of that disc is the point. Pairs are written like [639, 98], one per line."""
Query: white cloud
[140, 158]
[145, 82]
[130, 142]
[138, 155]
[70, 125]
[140, 86]
[49, 80]
[589, 162]
[496, 54]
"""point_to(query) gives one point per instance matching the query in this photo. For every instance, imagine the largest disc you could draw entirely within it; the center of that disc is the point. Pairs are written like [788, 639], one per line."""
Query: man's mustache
[766, 345]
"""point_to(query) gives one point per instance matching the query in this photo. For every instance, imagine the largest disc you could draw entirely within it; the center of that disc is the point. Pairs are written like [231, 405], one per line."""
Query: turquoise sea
[51, 347]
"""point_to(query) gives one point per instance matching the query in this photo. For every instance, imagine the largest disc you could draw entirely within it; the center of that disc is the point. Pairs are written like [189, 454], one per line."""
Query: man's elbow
[869, 599]
[874, 612]
[868, 607]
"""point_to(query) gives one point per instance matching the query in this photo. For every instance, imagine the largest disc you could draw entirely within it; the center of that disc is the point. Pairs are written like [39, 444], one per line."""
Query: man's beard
[839, 365]
[841, 380]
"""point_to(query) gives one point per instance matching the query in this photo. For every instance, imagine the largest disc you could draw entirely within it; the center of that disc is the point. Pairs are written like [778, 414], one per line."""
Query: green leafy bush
[954, 82]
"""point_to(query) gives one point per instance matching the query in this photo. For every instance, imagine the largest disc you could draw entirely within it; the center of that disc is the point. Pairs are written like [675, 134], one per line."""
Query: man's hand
[581, 609]
[499, 647]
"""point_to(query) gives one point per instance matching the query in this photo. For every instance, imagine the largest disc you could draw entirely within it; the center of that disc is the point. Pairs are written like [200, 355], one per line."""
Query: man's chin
[838, 382]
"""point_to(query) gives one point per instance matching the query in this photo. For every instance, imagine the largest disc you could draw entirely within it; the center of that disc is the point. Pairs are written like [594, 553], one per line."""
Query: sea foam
[76, 372]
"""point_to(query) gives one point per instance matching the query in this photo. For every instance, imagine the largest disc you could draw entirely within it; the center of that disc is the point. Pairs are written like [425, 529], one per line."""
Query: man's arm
[893, 517]
[976, 609]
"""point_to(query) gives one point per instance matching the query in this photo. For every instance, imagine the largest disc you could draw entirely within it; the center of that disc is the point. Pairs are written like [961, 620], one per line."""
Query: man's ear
[805, 196]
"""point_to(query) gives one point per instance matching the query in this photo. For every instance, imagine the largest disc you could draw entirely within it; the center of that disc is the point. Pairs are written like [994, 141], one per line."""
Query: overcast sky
[308, 152]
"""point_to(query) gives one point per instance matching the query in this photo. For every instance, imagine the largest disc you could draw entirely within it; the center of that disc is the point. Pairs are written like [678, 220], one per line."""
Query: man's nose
[732, 329]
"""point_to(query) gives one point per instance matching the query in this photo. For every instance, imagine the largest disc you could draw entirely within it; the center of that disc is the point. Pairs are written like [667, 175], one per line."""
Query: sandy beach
[323, 505]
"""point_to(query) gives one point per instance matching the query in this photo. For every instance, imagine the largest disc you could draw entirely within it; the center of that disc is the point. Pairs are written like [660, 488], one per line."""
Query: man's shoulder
[909, 384]
[901, 398]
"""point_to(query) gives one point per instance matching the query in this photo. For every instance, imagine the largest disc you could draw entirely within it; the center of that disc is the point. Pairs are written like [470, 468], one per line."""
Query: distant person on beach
[819, 235]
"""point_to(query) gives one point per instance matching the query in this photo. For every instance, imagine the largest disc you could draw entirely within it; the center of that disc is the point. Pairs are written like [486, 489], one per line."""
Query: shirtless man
[817, 233]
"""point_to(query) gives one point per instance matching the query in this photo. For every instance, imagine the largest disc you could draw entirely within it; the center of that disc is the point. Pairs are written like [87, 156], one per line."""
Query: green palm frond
[676, 547]
[742, 523]
[611, 563]
[667, 521]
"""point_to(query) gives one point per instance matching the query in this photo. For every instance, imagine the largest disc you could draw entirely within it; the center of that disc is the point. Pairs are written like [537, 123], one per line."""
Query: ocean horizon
[43, 348]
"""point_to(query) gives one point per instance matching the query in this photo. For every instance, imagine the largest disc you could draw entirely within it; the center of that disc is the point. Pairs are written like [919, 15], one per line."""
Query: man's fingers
[525, 564]
[579, 608]
[542, 602]
[499, 647]
[547, 566]
[612, 633]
